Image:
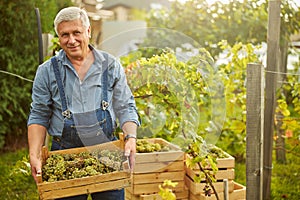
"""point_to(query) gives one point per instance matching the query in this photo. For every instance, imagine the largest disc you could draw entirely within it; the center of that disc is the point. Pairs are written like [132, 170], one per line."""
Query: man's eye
[77, 33]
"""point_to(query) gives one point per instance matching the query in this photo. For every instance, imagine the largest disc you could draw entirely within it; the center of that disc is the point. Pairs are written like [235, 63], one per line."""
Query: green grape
[144, 146]
[70, 166]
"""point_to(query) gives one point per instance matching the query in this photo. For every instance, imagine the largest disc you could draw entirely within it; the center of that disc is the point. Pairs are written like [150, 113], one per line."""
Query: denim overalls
[86, 129]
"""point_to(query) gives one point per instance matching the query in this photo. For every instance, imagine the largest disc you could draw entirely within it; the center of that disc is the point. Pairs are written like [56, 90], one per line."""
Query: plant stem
[208, 179]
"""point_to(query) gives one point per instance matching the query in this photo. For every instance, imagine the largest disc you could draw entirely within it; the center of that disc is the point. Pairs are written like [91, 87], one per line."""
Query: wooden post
[273, 39]
[280, 140]
[226, 191]
[46, 44]
[254, 129]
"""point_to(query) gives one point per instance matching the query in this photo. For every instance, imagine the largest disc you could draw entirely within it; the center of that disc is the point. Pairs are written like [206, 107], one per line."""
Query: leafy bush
[16, 180]
[19, 57]
[175, 97]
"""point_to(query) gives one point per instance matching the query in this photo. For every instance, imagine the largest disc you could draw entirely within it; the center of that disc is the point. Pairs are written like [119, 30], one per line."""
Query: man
[77, 97]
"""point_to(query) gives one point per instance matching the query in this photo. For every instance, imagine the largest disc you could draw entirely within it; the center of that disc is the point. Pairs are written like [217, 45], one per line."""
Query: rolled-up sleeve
[123, 100]
[40, 109]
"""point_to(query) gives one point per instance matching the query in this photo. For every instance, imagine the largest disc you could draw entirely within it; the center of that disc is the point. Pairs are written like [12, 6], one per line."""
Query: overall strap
[65, 111]
[104, 102]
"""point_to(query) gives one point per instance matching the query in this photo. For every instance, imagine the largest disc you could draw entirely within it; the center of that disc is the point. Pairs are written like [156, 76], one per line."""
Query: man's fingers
[132, 162]
[127, 152]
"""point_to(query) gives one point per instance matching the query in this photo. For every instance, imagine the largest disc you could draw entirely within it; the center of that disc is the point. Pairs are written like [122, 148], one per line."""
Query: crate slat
[239, 193]
[183, 195]
[220, 174]
[158, 167]
[114, 145]
[84, 189]
[222, 163]
[153, 188]
[50, 186]
[197, 188]
[158, 177]
[159, 157]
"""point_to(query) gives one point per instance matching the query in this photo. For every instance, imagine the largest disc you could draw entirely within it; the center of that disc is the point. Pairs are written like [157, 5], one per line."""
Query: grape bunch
[144, 146]
[69, 166]
[216, 152]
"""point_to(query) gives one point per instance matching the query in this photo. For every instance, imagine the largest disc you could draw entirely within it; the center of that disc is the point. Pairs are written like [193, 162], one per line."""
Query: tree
[19, 56]
[236, 22]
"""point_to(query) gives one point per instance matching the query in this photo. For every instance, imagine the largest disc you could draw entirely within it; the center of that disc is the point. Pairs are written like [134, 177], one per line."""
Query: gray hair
[69, 14]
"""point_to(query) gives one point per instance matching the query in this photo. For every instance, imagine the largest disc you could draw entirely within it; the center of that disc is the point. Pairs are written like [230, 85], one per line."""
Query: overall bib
[86, 129]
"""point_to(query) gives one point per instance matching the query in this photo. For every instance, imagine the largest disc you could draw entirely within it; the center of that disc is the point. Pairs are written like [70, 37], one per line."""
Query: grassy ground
[285, 183]
[17, 186]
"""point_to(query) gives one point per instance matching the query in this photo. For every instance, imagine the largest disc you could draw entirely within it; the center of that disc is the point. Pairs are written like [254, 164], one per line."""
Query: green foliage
[233, 134]
[179, 99]
[283, 175]
[288, 104]
[290, 19]
[22, 167]
[15, 176]
[165, 192]
[19, 56]
[170, 94]
[236, 21]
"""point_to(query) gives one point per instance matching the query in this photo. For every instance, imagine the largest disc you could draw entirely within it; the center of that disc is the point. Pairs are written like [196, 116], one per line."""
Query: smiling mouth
[73, 47]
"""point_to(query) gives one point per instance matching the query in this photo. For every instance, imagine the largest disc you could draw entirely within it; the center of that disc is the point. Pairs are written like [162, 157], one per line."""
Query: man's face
[73, 38]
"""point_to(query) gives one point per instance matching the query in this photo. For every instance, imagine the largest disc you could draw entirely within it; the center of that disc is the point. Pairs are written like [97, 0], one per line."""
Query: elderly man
[78, 95]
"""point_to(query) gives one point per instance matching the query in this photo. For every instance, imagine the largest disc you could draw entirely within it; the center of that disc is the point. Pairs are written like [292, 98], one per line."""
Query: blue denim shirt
[82, 96]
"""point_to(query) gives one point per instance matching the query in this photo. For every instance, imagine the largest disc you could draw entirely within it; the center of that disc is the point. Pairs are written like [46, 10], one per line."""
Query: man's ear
[89, 32]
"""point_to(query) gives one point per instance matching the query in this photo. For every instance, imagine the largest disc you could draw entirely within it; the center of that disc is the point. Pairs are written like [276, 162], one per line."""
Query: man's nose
[72, 39]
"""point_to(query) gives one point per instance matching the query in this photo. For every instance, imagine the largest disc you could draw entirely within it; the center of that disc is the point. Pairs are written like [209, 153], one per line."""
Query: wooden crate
[85, 185]
[197, 188]
[239, 193]
[183, 195]
[220, 175]
[222, 163]
[158, 161]
[151, 169]
[225, 171]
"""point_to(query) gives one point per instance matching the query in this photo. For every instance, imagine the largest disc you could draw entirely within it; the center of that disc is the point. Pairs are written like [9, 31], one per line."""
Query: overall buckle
[105, 105]
[67, 113]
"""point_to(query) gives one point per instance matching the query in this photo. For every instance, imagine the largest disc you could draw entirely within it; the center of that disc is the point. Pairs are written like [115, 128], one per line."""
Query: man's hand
[36, 167]
[129, 129]
[130, 150]
[36, 138]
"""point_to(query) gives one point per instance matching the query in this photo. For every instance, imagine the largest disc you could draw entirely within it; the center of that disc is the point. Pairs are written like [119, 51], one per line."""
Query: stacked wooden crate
[225, 171]
[152, 169]
[85, 185]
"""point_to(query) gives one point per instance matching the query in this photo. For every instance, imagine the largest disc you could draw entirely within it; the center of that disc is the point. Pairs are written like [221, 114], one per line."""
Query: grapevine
[204, 155]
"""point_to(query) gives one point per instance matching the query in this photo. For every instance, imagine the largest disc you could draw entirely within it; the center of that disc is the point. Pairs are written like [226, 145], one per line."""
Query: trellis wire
[16, 75]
